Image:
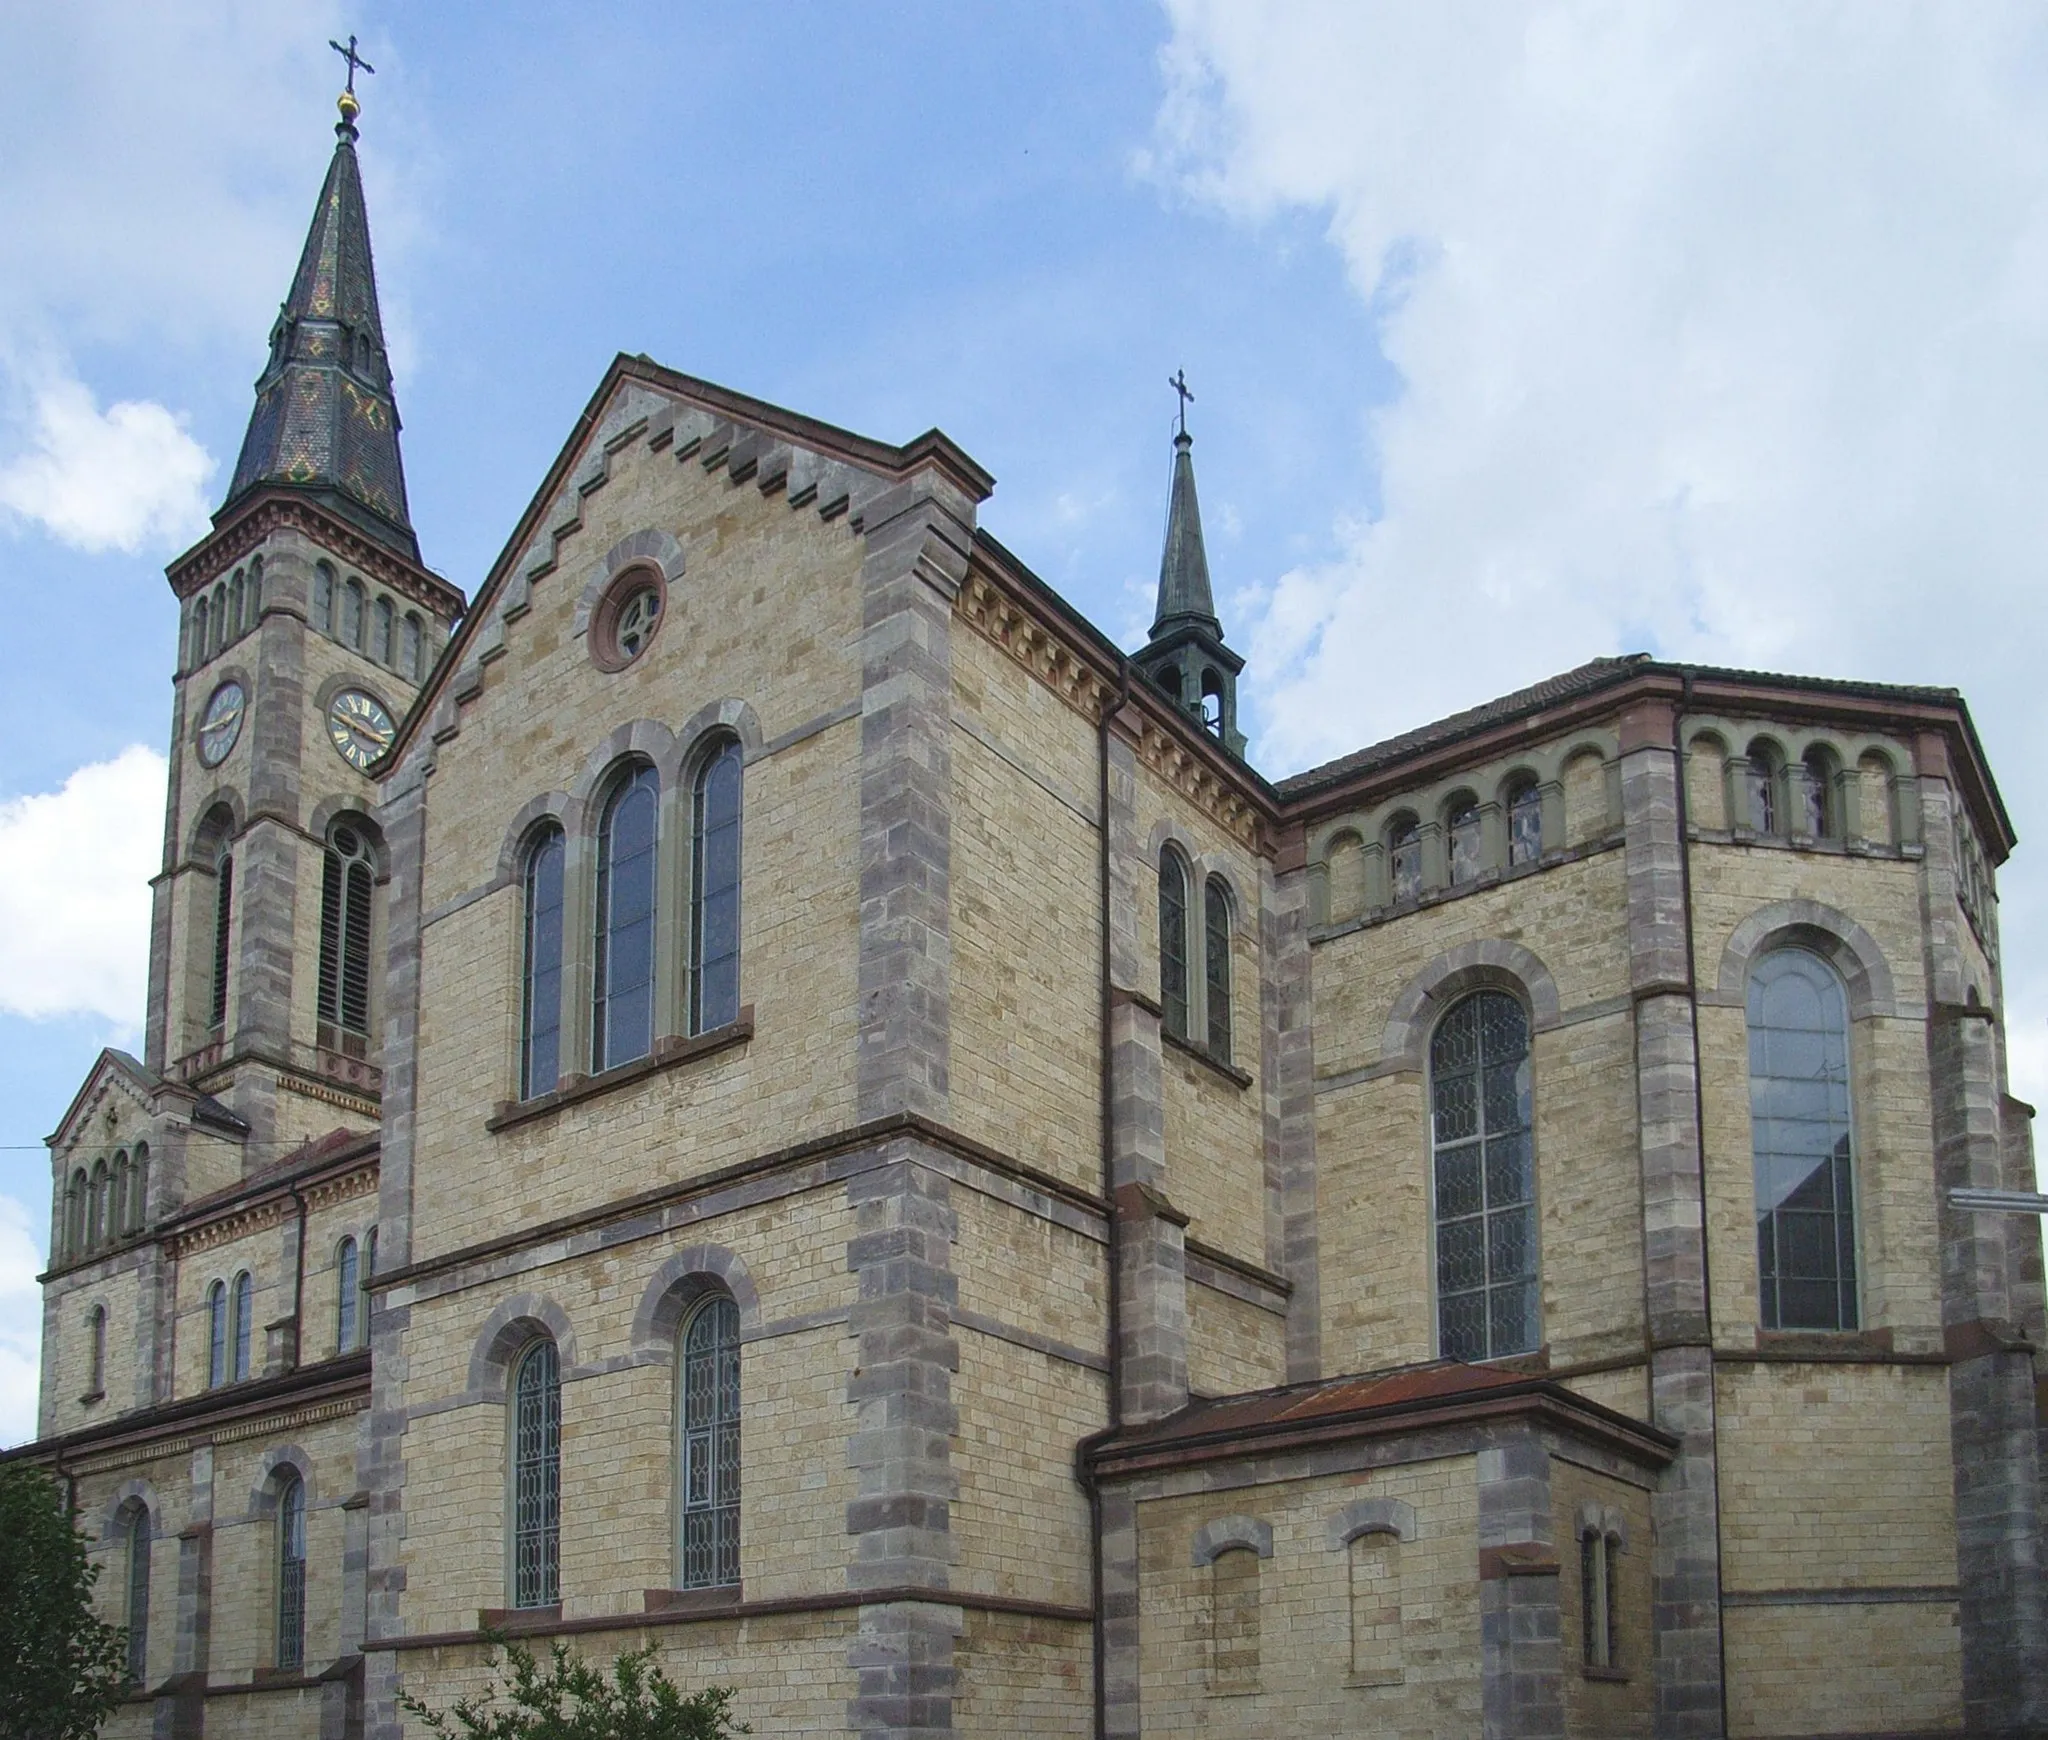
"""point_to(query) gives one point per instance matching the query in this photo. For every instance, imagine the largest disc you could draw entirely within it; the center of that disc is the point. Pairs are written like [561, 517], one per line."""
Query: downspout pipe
[1699, 1126]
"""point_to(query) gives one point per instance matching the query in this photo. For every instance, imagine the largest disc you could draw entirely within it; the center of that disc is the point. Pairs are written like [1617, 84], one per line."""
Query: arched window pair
[230, 1318]
[1465, 840]
[347, 884]
[707, 1470]
[1802, 798]
[352, 1270]
[1599, 1595]
[1177, 957]
[625, 938]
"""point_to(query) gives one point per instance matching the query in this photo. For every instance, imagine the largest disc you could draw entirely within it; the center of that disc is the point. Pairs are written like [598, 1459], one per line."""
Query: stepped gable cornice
[815, 467]
[1601, 687]
[269, 511]
[1399, 1401]
[1010, 606]
[341, 1164]
[259, 1408]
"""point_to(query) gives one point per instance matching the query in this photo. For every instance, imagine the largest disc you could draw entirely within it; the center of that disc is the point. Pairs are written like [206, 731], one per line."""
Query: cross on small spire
[1178, 381]
[354, 60]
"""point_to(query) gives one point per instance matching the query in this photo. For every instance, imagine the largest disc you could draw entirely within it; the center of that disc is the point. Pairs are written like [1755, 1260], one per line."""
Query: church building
[754, 1084]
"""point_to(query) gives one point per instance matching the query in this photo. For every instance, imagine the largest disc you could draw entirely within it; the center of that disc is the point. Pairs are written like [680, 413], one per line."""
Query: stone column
[1686, 1559]
[1521, 1630]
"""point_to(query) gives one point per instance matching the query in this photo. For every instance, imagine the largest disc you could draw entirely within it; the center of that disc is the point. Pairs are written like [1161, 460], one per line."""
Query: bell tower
[307, 624]
[1185, 655]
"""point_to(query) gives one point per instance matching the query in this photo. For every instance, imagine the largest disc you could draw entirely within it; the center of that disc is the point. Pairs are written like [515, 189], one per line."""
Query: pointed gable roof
[325, 420]
[1184, 593]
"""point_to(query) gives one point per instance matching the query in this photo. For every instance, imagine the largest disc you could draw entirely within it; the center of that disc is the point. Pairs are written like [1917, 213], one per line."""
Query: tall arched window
[1173, 942]
[540, 988]
[323, 598]
[1467, 855]
[1485, 1198]
[1761, 781]
[537, 1477]
[223, 913]
[220, 617]
[136, 1594]
[622, 1004]
[348, 1286]
[217, 1334]
[715, 891]
[96, 1352]
[244, 1313]
[410, 646]
[96, 1216]
[74, 1214]
[1525, 824]
[708, 1433]
[353, 613]
[382, 621]
[138, 1187]
[291, 1572]
[117, 1202]
[235, 606]
[1801, 1140]
[1822, 818]
[200, 630]
[1404, 858]
[252, 610]
[347, 878]
[1216, 964]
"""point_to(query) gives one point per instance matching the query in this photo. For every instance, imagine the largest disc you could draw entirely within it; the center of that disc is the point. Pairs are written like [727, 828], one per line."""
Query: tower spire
[1185, 655]
[325, 421]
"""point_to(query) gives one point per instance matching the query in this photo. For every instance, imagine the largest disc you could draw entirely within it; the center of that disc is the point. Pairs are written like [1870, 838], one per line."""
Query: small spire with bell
[1185, 655]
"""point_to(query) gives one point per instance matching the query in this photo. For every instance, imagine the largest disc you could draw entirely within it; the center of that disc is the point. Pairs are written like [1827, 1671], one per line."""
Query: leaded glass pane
[291, 1574]
[715, 893]
[623, 1024]
[1482, 1113]
[1800, 1136]
[541, 1050]
[1173, 943]
[1465, 848]
[537, 1479]
[138, 1594]
[709, 1543]
[1216, 965]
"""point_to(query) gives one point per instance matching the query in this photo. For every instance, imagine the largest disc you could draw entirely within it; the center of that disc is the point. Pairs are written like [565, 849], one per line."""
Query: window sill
[667, 1054]
[691, 1600]
[90, 1397]
[1797, 1344]
[1612, 1676]
[1366, 1682]
[1241, 1078]
[513, 1620]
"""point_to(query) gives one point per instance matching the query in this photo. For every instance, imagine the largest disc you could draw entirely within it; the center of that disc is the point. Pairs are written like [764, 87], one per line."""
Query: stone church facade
[760, 1086]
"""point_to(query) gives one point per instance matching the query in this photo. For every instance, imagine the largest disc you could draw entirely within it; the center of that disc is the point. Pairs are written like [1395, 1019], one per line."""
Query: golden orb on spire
[348, 105]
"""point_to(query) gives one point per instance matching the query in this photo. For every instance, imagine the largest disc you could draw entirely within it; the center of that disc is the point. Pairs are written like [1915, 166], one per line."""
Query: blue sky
[1519, 333]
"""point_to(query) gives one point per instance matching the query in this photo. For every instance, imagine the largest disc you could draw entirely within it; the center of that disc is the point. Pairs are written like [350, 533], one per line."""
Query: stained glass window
[1761, 782]
[537, 1478]
[715, 892]
[1819, 794]
[1404, 855]
[1466, 855]
[1216, 964]
[1482, 1151]
[1800, 1137]
[709, 1433]
[291, 1573]
[622, 1024]
[540, 1059]
[1173, 942]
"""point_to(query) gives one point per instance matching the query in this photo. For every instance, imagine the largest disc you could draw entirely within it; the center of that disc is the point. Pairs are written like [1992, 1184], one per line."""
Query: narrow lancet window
[1482, 1103]
[347, 1285]
[137, 1602]
[411, 642]
[223, 914]
[1525, 825]
[537, 1478]
[244, 1326]
[622, 1015]
[1173, 943]
[346, 881]
[1404, 858]
[540, 989]
[1466, 852]
[1216, 964]
[217, 1334]
[323, 598]
[1801, 1138]
[715, 892]
[291, 1573]
[381, 618]
[96, 1352]
[708, 1431]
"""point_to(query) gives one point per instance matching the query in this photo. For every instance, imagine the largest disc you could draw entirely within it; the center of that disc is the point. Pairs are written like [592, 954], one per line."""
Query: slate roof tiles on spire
[325, 419]
[1184, 594]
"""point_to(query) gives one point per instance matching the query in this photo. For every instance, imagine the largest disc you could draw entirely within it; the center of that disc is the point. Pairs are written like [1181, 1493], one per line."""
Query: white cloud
[108, 480]
[21, 1312]
[75, 866]
[1723, 333]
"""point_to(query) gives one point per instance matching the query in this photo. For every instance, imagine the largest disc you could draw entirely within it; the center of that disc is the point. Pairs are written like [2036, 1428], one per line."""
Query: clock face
[221, 724]
[359, 728]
